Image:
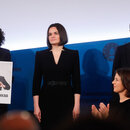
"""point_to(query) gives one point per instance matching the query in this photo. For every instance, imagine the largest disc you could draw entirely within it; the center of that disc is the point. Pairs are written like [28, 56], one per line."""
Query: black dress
[59, 84]
[120, 111]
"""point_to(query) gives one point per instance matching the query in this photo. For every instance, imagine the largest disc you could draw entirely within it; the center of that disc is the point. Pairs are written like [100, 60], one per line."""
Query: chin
[114, 90]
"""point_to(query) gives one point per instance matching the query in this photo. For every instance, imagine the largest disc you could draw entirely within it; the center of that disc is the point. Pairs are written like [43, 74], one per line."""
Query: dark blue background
[96, 60]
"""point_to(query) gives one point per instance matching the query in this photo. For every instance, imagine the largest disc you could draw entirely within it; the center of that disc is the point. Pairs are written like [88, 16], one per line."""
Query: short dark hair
[62, 33]
[2, 38]
[124, 73]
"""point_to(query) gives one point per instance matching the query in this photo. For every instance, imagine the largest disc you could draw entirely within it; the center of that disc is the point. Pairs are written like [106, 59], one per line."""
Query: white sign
[5, 81]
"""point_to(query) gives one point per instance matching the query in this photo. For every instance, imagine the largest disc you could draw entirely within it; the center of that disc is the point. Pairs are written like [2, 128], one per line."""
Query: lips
[53, 40]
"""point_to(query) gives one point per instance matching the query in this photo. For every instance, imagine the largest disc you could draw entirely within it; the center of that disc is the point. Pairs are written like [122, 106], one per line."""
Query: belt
[57, 83]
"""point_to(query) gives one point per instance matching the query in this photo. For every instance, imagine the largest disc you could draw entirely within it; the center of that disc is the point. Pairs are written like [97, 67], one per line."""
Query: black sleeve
[8, 56]
[37, 76]
[76, 74]
[5, 55]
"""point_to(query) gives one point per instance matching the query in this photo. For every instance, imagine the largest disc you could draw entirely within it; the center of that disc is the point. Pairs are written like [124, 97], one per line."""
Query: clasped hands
[102, 112]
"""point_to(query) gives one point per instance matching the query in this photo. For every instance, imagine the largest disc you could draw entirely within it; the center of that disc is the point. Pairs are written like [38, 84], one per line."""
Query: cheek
[49, 38]
[58, 38]
[118, 88]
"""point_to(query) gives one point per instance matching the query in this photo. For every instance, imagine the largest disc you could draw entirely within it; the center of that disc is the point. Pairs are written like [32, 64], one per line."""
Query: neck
[123, 97]
[57, 48]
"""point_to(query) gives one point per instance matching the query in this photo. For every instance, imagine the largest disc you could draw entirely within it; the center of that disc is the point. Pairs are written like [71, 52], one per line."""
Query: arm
[8, 56]
[37, 111]
[36, 87]
[76, 110]
[5, 55]
[76, 85]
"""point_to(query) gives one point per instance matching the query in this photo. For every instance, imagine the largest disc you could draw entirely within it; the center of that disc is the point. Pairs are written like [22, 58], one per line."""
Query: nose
[113, 82]
[52, 35]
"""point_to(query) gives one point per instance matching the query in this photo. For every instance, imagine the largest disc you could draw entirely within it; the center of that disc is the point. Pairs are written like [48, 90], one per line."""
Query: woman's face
[54, 37]
[117, 84]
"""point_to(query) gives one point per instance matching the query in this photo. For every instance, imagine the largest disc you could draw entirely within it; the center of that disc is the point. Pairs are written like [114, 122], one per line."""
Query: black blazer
[67, 69]
[122, 59]
[4, 56]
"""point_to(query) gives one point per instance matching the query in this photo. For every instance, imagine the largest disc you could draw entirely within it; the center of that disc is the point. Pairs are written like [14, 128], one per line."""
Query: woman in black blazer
[4, 56]
[58, 67]
[121, 60]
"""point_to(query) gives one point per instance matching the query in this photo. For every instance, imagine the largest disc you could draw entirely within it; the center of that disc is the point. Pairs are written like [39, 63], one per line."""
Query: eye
[56, 33]
[49, 34]
[116, 79]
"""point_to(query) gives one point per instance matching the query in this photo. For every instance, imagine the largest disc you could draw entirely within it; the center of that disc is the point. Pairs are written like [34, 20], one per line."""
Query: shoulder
[42, 52]
[126, 103]
[5, 54]
[3, 50]
[124, 46]
[71, 51]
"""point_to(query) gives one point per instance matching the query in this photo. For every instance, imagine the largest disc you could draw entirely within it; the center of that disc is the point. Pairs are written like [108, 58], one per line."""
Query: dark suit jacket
[122, 59]
[7, 86]
[4, 56]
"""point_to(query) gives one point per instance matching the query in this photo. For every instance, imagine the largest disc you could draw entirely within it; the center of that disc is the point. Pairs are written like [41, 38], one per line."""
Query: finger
[102, 105]
[93, 107]
[108, 105]
[73, 115]
[36, 116]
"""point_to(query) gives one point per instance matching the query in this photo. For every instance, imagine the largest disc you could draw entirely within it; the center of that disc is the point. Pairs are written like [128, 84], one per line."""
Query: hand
[76, 112]
[104, 110]
[95, 112]
[37, 113]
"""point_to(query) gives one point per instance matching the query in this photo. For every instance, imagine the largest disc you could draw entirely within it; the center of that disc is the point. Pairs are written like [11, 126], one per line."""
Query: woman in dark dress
[56, 83]
[120, 110]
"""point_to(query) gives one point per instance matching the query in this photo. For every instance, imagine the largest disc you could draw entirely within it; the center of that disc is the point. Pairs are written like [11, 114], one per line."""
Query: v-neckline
[58, 59]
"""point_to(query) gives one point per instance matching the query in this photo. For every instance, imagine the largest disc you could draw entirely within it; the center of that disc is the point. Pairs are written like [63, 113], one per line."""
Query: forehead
[117, 76]
[53, 29]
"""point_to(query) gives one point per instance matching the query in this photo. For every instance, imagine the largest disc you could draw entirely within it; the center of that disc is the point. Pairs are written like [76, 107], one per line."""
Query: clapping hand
[102, 112]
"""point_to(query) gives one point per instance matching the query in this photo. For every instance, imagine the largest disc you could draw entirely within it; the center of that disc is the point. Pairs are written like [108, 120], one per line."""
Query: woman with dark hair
[4, 53]
[121, 85]
[58, 69]
[4, 56]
